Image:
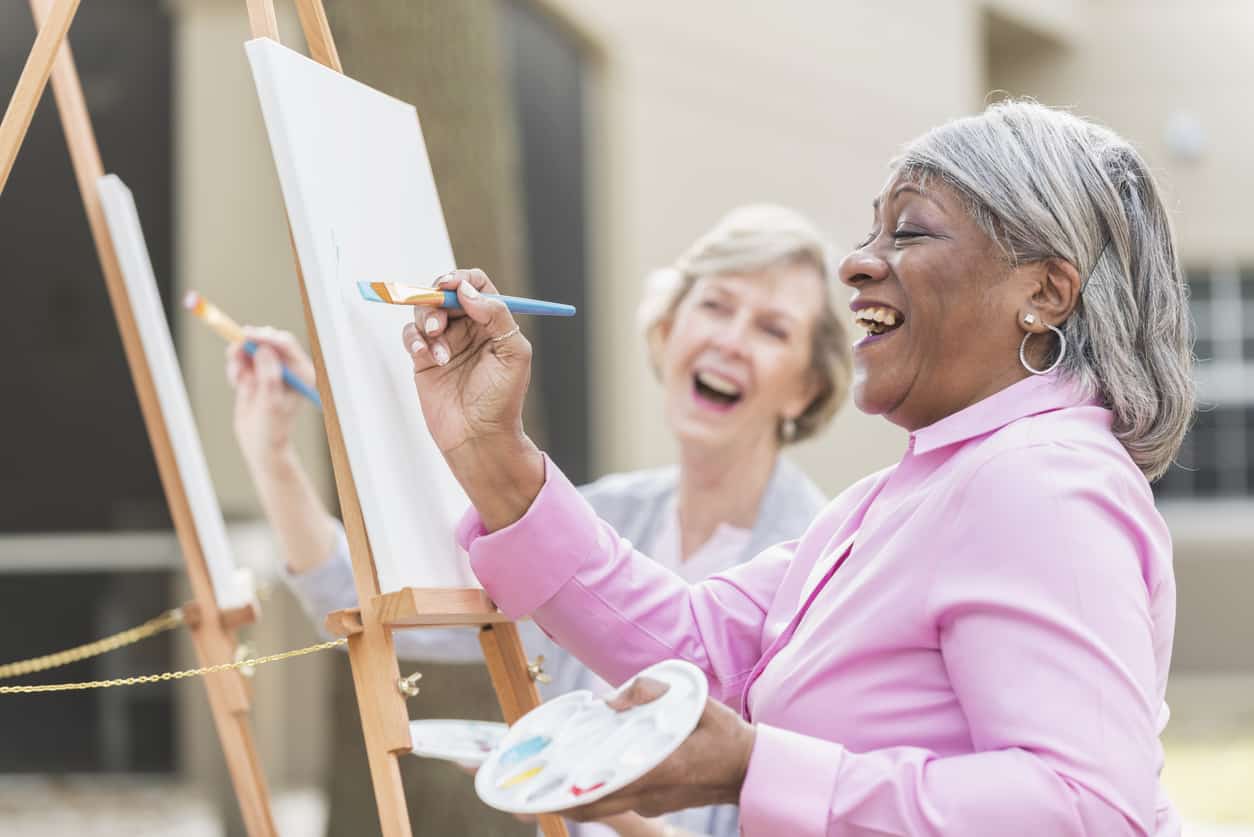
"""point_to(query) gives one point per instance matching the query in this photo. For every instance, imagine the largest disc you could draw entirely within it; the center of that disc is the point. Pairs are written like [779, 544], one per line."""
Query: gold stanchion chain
[166, 621]
[169, 675]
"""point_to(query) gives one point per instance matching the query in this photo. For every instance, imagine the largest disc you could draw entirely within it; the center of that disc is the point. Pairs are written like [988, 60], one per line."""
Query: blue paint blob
[524, 749]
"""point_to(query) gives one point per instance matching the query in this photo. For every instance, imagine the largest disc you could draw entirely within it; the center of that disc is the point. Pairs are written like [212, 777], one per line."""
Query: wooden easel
[212, 629]
[380, 690]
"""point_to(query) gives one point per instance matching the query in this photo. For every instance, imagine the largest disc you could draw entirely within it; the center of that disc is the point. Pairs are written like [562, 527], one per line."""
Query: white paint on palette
[231, 587]
[363, 206]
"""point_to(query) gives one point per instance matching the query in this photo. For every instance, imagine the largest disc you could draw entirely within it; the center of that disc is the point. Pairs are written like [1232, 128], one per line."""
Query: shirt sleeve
[613, 608]
[329, 587]
[1045, 627]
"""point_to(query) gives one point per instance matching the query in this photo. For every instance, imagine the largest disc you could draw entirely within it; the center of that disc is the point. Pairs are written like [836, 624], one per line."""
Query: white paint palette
[575, 749]
[464, 742]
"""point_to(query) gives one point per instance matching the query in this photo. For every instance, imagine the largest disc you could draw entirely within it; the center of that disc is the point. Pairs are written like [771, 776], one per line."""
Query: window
[1217, 459]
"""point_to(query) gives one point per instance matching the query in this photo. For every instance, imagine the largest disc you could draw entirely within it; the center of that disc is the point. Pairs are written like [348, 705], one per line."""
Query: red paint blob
[575, 790]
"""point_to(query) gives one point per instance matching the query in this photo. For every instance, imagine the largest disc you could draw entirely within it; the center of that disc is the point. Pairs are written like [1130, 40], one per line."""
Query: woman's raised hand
[471, 370]
[265, 407]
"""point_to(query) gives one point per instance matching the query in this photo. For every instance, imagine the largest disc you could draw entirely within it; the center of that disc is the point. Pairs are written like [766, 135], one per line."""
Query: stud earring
[1029, 319]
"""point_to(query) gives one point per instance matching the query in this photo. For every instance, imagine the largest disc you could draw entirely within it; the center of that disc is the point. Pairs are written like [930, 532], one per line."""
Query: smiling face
[939, 304]
[736, 357]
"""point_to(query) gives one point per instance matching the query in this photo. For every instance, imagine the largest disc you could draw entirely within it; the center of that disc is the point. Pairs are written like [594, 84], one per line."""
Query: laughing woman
[751, 356]
[973, 642]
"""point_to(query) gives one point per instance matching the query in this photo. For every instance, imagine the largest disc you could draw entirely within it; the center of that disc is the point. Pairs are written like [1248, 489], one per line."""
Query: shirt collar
[1029, 397]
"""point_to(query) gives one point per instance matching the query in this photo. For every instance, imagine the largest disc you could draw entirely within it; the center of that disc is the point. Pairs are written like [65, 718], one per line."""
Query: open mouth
[878, 319]
[716, 389]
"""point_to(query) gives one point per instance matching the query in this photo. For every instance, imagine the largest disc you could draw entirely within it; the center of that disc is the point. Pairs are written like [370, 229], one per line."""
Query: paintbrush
[230, 331]
[395, 293]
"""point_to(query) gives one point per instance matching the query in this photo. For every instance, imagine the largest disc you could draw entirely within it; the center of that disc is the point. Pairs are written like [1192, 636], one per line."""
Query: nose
[733, 339]
[862, 266]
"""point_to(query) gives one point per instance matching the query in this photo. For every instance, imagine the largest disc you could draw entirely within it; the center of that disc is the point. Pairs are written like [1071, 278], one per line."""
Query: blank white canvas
[363, 207]
[230, 587]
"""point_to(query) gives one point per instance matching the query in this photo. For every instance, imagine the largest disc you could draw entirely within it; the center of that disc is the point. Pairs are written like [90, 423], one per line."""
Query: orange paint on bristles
[227, 328]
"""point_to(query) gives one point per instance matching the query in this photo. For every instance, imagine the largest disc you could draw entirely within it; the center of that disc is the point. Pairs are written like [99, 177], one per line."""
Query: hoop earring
[1062, 351]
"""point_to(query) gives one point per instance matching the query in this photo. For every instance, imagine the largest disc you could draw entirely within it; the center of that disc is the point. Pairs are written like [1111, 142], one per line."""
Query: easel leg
[30, 85]
[229, 704]
[507, 665]
[374, 678]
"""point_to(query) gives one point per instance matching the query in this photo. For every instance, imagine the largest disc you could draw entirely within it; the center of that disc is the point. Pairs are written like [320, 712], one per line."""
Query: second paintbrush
[394, 293]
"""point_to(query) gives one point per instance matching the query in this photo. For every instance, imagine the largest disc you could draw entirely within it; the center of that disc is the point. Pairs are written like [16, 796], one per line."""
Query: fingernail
[470, 290]
[416, 347]
[441, 355]
[432, 325]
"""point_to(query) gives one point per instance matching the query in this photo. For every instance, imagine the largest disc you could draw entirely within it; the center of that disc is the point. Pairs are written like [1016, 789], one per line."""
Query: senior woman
[972, 642]
[751, 356]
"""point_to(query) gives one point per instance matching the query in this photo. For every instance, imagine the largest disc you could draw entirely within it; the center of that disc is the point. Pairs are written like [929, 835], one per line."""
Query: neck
[994, 384]
[721, 486]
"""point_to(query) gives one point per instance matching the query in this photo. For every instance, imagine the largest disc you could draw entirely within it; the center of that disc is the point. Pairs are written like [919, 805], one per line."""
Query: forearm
[583, 582]
[304, 528]
[501, 476]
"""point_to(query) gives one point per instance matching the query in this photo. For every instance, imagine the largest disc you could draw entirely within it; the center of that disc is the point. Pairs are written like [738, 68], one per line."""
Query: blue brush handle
[290, 379]
[518, 305]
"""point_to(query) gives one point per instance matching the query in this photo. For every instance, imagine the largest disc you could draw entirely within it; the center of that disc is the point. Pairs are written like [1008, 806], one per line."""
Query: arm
[265, 412]
[586, 584]
[315, 562]
[1048, 641]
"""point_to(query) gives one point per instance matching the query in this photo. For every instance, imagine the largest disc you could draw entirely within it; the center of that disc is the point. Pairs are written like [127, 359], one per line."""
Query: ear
[655, 342]
[1055, 292]
[808, 390]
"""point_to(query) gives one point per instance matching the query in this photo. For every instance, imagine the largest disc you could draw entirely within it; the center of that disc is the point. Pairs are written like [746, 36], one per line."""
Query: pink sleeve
[1043, 612]
[614, 609]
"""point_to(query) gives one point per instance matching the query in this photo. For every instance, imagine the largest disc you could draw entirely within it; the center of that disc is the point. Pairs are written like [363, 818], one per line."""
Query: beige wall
[708, 105]
[1134, 65]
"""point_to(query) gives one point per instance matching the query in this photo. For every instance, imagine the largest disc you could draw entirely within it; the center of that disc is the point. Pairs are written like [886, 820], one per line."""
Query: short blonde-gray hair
[750, 239]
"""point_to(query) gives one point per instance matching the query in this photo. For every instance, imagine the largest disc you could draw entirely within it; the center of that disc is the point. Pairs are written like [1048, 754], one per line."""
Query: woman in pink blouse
[973, 642]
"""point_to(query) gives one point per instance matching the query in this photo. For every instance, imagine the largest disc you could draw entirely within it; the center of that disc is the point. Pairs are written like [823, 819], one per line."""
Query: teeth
[883, 316]
[718, 383]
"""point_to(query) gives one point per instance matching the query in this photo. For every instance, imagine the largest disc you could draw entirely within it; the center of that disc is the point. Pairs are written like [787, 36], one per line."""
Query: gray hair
[1044, 184]
[746, 240]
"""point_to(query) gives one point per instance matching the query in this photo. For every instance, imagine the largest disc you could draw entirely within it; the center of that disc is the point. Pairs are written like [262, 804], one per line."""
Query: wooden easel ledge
[420, 607]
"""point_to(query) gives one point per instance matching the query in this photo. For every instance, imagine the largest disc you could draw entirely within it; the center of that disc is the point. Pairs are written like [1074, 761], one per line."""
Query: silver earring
[1062, 350]
[788, 429]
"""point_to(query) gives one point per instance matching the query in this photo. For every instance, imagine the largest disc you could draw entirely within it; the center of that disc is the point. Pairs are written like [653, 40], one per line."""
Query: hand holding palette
[576, 749]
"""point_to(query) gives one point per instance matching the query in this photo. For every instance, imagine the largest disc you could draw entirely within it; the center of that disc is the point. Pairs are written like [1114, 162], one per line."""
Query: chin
[873, 397]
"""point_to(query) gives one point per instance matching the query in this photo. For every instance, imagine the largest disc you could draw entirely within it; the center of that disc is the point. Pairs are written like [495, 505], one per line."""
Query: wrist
[502, 475]
[746, 737]
[268, 462]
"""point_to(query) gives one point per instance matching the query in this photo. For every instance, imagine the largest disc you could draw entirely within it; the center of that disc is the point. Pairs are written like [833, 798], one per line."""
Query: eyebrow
[780, 313]
[909, 187]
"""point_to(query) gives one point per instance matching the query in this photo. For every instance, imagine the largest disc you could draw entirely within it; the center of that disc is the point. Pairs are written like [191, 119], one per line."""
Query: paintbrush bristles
[399, 294]
[226, 328]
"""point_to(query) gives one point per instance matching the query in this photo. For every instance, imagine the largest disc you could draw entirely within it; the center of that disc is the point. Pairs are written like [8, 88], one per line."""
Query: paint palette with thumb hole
[576, 749]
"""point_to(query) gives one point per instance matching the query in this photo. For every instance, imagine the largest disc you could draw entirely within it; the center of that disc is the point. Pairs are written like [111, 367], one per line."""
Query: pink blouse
[973, 642]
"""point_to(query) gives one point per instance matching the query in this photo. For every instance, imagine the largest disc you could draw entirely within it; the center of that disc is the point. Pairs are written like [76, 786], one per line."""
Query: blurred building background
[616, 133]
